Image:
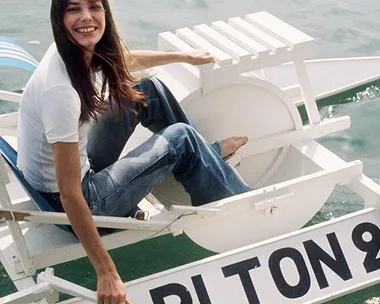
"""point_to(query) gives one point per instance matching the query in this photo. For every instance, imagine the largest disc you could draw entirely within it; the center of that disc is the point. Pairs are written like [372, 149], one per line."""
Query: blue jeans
[115, 186]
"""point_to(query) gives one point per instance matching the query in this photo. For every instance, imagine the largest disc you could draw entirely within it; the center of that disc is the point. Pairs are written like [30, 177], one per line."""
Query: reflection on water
[361, 141]
[369, 93]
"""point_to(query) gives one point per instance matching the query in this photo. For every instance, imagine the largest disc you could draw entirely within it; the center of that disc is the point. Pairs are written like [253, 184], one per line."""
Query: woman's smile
[87, 30]
[85, 21]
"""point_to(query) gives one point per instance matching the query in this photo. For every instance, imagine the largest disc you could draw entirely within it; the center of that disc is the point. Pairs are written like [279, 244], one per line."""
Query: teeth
[86, 30]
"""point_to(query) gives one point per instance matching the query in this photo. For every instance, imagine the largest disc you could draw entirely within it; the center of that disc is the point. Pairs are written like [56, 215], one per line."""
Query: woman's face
[85, 21]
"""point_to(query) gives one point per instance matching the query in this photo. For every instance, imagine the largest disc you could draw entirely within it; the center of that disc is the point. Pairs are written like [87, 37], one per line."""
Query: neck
[88, 57]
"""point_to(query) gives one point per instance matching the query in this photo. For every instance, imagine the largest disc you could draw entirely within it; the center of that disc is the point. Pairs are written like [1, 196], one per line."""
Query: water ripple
[368, 93]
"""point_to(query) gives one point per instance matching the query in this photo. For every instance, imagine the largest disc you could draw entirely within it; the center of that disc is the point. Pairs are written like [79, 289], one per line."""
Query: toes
[232, 144]
[242, 140]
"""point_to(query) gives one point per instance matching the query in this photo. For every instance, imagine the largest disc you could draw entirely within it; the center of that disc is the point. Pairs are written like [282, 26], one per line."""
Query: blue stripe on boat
[6, 39]
[14, 52]
[17, 57]
[17, 63]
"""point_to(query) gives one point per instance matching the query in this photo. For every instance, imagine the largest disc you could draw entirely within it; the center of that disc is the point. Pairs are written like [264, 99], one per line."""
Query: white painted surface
[230, 290]
[286, 269]
[198, 42]
[241, 39]
[284, 32]
[228, 46]
[263, 38]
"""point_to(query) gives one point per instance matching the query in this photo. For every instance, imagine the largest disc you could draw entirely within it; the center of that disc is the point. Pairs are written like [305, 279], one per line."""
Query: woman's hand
[199, 57]
[111, 290]
[68, 171]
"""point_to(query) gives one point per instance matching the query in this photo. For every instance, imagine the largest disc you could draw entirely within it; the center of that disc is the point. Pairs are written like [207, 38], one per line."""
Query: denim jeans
[115, 186]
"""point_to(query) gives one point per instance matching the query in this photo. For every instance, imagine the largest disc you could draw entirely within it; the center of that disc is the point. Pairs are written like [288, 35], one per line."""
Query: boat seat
[10, 156]
[255, 42]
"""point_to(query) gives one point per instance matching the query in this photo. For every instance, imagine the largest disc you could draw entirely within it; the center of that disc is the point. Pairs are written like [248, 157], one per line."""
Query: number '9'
[371, 247]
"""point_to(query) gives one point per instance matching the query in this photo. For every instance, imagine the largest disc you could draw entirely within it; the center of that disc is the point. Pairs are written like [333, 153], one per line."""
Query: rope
[164, 228]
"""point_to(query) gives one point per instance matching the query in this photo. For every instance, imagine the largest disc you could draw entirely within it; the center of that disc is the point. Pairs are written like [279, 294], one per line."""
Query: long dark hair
[110, 57]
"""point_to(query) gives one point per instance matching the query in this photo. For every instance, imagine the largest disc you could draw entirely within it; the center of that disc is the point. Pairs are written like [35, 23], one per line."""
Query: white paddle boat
[261, 76]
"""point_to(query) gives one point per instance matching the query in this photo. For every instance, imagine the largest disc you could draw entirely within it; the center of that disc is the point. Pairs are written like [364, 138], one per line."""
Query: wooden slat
[263, 38]
[279, 29]
[241, 39]
[169, 42]
[197, 41]
[270, 143]
[68, 288]
[222, 42]
[29, 295]
[58, 218]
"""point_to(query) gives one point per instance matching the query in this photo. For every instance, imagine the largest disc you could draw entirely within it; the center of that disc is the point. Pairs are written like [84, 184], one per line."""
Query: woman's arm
[67, 165]
[148, 59]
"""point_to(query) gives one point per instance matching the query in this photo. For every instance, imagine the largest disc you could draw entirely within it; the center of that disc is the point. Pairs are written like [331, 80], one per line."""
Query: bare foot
[230, 145]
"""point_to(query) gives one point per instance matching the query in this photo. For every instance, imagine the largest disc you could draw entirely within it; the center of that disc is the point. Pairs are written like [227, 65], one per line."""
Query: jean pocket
[89, 192]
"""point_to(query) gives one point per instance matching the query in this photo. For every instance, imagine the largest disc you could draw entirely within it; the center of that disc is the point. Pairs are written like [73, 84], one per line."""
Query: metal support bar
[32, 294]
[67, 287]
[310, 103]
[14, 228]
[58, 218]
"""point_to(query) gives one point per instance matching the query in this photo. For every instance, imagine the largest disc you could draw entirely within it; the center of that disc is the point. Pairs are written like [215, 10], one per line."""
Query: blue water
[340, 28]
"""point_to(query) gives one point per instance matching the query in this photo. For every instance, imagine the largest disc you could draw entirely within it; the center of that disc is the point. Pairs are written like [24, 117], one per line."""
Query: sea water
[340, 28]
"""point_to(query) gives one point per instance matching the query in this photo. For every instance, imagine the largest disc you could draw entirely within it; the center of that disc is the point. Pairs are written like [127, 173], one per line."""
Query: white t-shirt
[49, 113]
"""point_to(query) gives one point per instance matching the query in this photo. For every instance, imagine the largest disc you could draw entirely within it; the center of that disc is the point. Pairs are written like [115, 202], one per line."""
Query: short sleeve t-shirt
[50, 109]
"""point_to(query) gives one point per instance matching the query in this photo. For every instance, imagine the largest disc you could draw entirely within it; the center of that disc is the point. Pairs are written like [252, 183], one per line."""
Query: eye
[73, 9]
[97, 7]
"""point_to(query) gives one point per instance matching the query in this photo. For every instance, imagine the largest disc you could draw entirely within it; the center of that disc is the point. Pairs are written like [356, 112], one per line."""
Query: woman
[71, 135]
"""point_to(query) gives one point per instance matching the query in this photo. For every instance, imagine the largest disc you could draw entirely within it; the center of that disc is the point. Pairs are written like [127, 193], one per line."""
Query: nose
[85, 15]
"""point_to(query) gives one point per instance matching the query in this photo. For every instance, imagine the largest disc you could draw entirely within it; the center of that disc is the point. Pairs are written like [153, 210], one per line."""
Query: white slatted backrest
[246, 44]
[282, 31]
[197, 41]
[263, 38]
[241, 39]
[222, 42]
[168, 41]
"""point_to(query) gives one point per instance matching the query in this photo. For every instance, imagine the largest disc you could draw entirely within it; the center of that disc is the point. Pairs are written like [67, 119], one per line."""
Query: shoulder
[52, 59]
[51, 72]
[61, 97]
[50, 82]
[64, 91]
[59, 110]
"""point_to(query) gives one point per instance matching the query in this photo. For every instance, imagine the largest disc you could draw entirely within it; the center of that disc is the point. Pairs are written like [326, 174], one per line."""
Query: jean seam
[121, 187]
[92, 204]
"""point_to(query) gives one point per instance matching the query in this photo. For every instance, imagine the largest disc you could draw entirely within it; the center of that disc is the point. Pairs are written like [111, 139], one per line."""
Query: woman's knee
[146, 86]
[181, 137]
[179, 130]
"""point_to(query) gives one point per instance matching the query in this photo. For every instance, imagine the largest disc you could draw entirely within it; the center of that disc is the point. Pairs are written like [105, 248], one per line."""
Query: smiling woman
[82, 28]
[85, 22]
[71, 133]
